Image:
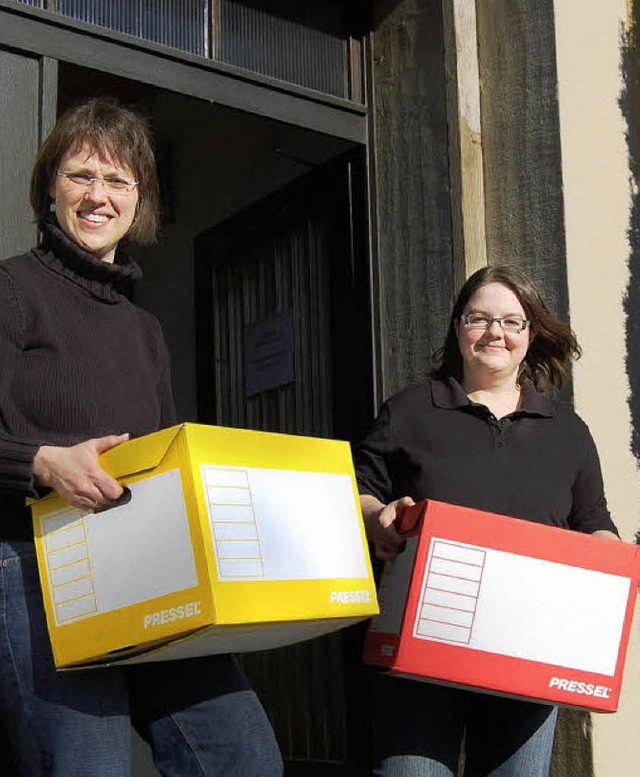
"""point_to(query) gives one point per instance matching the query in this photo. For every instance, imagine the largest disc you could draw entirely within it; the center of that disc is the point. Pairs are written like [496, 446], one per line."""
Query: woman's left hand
[606, 533]
[75, 473]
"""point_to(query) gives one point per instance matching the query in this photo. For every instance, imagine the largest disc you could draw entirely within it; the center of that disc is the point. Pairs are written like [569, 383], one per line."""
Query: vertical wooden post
[465, 137]
[413, 269]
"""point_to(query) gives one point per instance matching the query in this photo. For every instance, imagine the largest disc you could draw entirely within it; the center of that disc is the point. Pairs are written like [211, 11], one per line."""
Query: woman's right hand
[75, 473]
[379, 520]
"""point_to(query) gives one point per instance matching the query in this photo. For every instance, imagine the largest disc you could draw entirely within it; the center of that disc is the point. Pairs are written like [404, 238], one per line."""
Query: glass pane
[177, 23]
[281, 48]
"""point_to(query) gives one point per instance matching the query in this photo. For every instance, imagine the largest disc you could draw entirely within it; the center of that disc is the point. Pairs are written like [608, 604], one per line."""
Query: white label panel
[122, 556]
[306, 523]
[523, 607]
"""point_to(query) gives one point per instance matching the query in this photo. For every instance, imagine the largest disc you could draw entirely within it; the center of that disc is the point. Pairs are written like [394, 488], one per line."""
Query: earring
[52, 206]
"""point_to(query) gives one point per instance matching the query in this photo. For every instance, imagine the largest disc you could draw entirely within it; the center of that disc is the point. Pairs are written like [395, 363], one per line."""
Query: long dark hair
[103, 125]
[548, 360]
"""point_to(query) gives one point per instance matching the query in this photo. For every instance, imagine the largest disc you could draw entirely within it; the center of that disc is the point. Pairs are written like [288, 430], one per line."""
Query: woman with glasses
[480, 432]
[82, 369]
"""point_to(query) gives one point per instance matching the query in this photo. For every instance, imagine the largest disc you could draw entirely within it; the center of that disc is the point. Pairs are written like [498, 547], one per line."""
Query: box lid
[140, 454]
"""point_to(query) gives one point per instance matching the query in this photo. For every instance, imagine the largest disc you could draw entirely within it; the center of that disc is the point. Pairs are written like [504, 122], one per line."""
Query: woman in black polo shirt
[479, 433]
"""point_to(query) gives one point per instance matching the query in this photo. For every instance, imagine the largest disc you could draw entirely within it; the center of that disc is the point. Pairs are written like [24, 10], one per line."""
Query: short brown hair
[104, 126]
[548, 360]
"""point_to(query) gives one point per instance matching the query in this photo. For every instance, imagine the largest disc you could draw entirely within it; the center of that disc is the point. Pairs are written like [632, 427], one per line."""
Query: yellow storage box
[231, 541]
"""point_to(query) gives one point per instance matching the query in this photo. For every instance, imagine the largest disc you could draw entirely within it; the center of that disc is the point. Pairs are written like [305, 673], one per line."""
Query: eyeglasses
[112, 183]
[507, 324]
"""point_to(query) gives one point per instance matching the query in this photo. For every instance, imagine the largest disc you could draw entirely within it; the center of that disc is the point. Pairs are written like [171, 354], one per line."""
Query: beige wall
[597, 200]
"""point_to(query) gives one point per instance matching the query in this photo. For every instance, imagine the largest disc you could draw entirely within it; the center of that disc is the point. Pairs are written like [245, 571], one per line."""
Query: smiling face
[94, 218]
[492, 353]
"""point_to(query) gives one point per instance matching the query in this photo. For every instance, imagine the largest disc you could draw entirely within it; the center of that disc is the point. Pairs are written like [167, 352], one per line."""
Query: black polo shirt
[539, 463]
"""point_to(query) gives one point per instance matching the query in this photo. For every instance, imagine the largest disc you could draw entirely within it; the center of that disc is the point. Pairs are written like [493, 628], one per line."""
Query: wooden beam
[465, 137]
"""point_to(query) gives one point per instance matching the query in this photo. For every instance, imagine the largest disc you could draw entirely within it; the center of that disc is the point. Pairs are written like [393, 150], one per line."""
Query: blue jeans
[418, 729]
[200, 716]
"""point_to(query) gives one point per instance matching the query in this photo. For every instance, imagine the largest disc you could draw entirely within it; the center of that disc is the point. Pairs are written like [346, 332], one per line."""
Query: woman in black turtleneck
[81, 369]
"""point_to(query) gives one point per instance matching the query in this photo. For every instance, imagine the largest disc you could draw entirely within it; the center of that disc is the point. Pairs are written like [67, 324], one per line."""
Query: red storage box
[507, 606]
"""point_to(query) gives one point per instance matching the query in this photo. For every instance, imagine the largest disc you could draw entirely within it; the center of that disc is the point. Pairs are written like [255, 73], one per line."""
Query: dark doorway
[299, 254]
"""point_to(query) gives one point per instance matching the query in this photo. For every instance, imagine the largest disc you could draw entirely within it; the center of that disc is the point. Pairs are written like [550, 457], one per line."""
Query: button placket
[503, 425]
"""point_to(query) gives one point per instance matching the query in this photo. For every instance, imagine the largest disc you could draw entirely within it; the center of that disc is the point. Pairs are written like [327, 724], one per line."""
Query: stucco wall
[597, 200]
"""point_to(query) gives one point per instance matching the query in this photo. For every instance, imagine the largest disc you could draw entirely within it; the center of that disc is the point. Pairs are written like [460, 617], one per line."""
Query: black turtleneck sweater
[77, 360]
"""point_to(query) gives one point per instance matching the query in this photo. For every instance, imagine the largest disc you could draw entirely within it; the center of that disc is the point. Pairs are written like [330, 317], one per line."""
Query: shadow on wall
[630, 107]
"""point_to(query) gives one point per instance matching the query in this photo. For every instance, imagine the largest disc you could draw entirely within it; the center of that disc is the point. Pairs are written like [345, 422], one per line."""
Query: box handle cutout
[123, 499]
